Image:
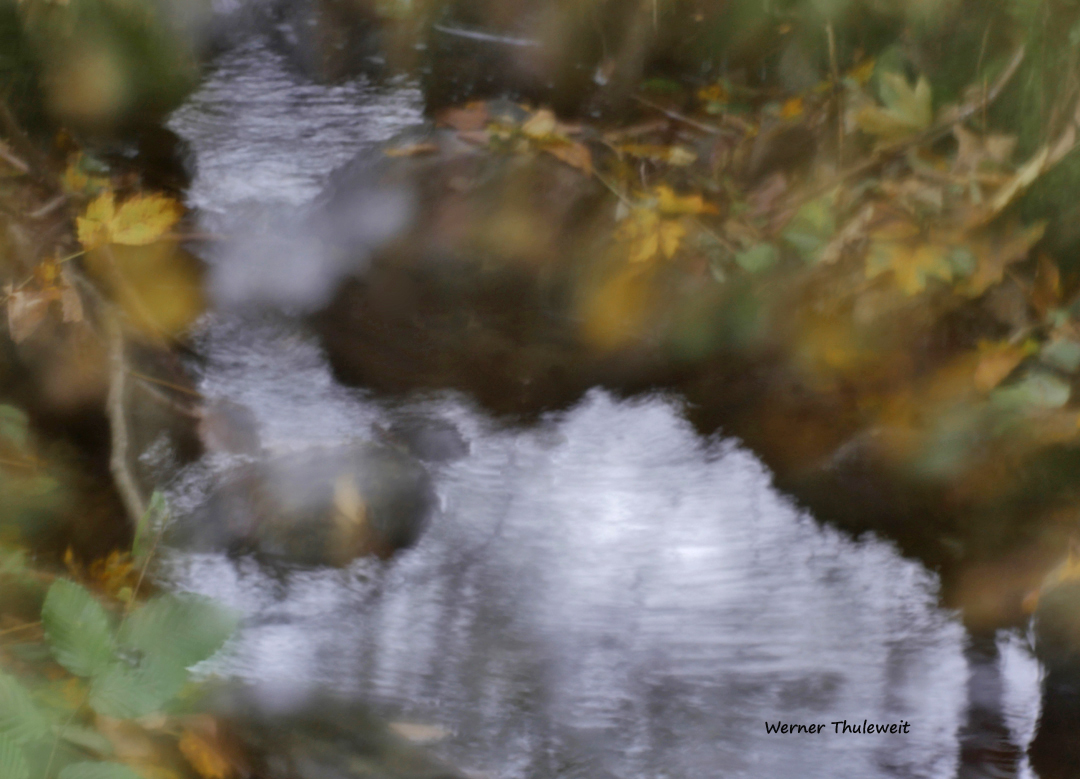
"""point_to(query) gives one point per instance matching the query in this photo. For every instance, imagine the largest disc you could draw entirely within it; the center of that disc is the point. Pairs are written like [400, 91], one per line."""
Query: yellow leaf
[862, 72]
[645, 248]
[792, 109]
[542, 124]
[907, 110]
[143, 219]
[671, 234]
[671, 204]
[93, 225]
[140, 220]
[205, 756]
[912, 263]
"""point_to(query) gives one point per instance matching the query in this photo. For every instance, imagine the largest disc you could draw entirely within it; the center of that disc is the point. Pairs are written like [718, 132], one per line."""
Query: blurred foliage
[93, 64]
[99, 685]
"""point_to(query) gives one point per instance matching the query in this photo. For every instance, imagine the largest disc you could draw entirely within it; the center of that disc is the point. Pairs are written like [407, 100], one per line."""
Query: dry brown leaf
[994, 253]
[576, 155]
[540, 125]
[996, 362]
[25, 311]
[852, 234]
[206, 755]
[71, 306]
[1046, 291]
[412, 150]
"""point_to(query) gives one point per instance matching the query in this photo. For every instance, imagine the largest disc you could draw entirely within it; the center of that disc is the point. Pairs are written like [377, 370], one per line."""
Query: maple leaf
[907, 110]
[901, 248]
[138, 221]
[649, 235]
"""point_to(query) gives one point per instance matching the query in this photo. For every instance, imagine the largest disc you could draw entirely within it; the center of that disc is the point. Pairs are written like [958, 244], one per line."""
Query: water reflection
[608, 595]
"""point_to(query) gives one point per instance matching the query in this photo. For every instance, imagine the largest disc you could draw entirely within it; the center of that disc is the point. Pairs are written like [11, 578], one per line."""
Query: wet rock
[481, 287]
[322, 507]
[429, 440]
[318, 736]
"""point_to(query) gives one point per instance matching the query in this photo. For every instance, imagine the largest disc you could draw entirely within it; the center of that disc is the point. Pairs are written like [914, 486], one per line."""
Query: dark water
[605, 594]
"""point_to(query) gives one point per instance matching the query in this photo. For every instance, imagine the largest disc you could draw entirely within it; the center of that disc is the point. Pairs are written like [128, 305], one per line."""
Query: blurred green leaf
[20, 719]
[14, 426]
[13, 763]
[758, 258]
[1062, 354]
[97, 771]
[180, 629]
[77, 628]
[126, 691]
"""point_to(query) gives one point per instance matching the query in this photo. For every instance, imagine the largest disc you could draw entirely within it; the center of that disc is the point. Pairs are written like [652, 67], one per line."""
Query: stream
[602, 594]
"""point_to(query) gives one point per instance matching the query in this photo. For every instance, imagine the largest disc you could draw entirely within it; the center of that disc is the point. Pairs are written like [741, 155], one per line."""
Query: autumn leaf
[138, 221]
[649, 235]
[994, 252]
[912, 258]
[996, 362]
[26, 310]
[205, 755]
[1046, 291]
[576, 155]
[671, 234]
[541, 125]
[907, 110]
[412, 150]
[792, 109]
[670, 204]
[678, 156]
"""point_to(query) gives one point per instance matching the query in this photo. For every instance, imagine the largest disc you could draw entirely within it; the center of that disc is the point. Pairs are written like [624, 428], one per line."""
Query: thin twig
[19, 629]
[706, 128]
[54, 204]
[9, 157]
[118, 461]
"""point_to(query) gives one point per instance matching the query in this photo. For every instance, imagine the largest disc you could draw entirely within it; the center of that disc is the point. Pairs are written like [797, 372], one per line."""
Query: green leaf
[14, 426]
[88, 739]
[1039, 390]
[13, 763]
[77, 628]
[180, 629]
[20, 719]
[758, 258]
[124, 691]
[812, 227]
[1062, 354]
[97, 771]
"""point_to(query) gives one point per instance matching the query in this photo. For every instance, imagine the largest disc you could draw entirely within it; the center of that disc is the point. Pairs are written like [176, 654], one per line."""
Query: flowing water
[603, 594]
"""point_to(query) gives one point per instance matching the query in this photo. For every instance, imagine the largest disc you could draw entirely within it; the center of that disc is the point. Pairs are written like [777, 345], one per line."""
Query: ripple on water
[610, 595]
